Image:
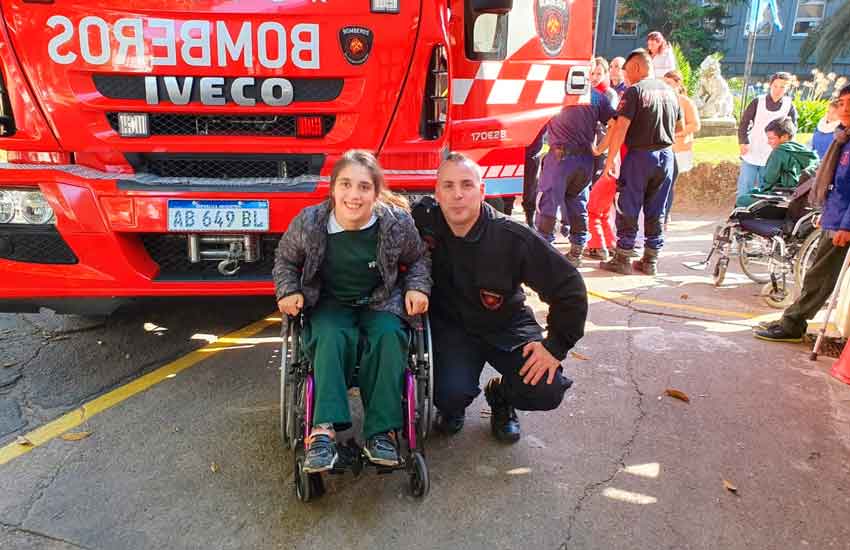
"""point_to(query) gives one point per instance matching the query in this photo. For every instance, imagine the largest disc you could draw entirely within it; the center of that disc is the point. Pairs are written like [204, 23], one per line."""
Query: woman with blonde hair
[340, 261]
[684, 144]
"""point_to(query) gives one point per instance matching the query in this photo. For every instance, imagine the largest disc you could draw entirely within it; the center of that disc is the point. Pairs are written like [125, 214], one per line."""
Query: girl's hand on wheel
[291, 305]
[416, 302]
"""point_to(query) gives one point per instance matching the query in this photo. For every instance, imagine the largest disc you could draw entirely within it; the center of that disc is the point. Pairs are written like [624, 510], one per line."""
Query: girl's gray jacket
[403, 259]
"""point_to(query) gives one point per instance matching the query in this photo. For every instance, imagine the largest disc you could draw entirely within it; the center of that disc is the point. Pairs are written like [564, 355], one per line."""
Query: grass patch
[719, 149]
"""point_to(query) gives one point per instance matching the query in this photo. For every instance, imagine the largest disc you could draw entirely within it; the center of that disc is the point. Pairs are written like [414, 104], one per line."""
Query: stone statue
[714, 100]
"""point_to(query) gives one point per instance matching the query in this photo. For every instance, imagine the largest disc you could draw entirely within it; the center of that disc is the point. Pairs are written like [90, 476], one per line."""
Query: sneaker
[381, 449]
[321, 454]
[775, 333]
[574, 255]
[504, 423]
[448, 424]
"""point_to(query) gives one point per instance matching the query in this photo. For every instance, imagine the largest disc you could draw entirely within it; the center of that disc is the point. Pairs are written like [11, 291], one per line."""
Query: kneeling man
[480, 259]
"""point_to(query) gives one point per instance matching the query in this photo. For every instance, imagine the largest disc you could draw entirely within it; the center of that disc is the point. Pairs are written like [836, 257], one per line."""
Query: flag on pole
[762, 15]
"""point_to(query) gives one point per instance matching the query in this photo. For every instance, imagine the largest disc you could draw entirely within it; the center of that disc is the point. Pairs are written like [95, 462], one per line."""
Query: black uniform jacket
[477, 281]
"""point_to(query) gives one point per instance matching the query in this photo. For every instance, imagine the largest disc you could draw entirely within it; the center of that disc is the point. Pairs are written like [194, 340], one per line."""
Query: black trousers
[530, 174]
[458, 361]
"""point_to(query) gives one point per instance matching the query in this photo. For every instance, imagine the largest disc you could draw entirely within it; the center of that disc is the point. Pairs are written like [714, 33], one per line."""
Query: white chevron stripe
[552, 91]
[505, 92]
[460, 90]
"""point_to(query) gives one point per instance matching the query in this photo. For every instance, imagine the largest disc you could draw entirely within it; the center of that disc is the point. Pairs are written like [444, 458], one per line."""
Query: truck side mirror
[491, 6]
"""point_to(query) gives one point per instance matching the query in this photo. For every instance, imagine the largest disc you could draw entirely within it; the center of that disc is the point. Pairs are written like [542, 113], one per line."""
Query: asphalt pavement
[158, 428]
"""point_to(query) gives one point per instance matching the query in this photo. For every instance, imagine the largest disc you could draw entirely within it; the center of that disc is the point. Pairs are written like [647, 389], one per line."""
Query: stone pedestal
[717, 127]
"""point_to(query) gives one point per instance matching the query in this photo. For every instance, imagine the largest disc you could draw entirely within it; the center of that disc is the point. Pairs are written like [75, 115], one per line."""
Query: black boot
[503, 419]
[648, 265]
[574, 255]
[620, 263]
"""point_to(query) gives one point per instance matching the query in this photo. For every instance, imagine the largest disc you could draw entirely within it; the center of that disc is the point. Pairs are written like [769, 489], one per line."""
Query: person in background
[530, 175]
[826, 129]
[647, 121]
[663, 58]
[600, 80]
[786, 162]
[832, 189]
[751, 136]
[618, 78]
[684, 144]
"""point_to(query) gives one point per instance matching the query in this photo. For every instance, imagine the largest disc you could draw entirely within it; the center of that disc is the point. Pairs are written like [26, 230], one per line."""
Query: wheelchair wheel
[806, 257]
[720, 268]
[425, 392]
[777, 299]
[290, 337]
[754, 257]
[307, 486]
[420, 482]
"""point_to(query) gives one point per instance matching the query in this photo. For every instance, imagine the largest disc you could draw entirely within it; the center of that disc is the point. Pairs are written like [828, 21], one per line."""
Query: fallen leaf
[684, 296]
[676, 394]
[7, 365]
[729, 486]
[579, 356]
[214, 468]
[59, 338]
[21, 440]
[75, 436]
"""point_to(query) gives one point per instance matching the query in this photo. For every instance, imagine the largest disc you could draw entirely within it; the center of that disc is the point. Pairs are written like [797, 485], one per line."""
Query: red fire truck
[160, 147]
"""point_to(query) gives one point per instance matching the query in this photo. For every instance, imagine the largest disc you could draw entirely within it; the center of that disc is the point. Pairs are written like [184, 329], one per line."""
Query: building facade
[774, 50]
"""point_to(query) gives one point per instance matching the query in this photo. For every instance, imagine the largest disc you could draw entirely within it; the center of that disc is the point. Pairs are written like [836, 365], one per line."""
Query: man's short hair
[460, 158]
[844, 91]
[602, 63]
[620, 58]
[642, 53]
[781, 75]
[783, 126]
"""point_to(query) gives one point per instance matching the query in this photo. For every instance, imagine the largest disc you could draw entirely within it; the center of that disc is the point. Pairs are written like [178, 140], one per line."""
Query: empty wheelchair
[775, 245]
[297, 408]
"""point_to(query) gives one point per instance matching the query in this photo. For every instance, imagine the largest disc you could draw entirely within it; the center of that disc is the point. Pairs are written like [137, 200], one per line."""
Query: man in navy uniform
[478, 311]
[647, 119]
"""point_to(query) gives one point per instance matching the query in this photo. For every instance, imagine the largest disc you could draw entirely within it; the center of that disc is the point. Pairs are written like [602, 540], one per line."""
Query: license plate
[217, 215]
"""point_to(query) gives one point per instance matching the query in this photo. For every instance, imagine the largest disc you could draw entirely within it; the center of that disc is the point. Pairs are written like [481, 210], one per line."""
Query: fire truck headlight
[34, 208]
[385, 6]
[8, 206]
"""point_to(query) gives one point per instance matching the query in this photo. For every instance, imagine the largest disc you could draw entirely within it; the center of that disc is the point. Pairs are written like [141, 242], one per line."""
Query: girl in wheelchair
[356, 265]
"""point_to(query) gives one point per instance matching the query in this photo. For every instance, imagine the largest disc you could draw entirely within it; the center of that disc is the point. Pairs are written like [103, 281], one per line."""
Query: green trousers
[336, 336]
[817, 286]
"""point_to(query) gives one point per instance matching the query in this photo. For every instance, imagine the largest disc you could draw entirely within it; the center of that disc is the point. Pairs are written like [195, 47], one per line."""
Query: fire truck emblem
[552, 18]
[356, 43]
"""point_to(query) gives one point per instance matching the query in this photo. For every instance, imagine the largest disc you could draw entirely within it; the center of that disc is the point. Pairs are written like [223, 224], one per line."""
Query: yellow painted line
[697, 309]
[75, 418]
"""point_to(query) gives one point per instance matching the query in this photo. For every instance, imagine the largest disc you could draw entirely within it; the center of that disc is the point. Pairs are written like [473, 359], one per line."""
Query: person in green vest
[341, 261]
[786, 163]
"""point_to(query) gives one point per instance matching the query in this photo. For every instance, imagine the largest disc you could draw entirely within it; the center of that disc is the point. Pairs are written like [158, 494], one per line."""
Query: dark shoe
[448, 425]
[381, 449]
[648, 265]
[321, 454]
[574, 255]
[620, 263]
[600, 254]
[503, 419]
[775, 333]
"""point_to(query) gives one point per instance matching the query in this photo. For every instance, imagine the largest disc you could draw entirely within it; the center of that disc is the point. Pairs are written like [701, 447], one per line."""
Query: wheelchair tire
[307, 486]
[750, 260]
[420, 482]
[805, 256]
[720, 268]
[425, 395]
[774, 300]
[290, 335]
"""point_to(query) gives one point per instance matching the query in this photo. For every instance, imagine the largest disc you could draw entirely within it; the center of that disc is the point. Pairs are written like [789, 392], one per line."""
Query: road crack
[13, 528]
[631, 365]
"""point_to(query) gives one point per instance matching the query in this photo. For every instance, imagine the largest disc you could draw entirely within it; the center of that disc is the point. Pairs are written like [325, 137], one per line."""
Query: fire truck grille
[225, 166]
[170, 252]
[39, 245]
[167, 124]
[133, 87]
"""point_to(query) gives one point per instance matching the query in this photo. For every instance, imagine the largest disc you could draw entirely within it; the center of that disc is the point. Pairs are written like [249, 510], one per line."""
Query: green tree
[829, 40]
[691, 24]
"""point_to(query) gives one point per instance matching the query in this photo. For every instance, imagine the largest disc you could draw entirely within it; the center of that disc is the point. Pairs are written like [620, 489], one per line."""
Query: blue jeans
[565, 184]
[749, 178]
[645, 181]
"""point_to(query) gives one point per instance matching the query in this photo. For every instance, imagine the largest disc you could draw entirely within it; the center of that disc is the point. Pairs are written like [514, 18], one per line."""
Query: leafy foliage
[690, 76]
[809, 113]
[692, 25]
[830, 40]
